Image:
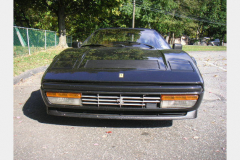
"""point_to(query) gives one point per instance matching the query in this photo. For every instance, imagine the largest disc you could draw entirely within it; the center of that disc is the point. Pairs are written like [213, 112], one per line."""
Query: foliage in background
[193, 18]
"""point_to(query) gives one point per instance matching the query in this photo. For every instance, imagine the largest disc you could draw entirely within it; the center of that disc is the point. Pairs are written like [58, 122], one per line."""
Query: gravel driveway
[40, 136]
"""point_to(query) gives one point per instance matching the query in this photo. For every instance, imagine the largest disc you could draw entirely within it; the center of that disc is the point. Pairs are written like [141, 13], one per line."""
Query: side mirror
[177, 46]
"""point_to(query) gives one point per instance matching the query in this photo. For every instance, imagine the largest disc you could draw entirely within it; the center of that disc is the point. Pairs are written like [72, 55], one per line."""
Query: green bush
[225, 38]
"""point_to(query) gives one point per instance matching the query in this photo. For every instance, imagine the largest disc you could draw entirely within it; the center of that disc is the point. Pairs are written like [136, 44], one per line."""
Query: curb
[28, 74]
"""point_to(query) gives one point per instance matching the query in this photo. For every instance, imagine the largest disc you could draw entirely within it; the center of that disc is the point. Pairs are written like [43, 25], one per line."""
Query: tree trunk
[173, 39]
[167, 38]
[197, 34]
[222, 40]
[61, 26]
[170, 38]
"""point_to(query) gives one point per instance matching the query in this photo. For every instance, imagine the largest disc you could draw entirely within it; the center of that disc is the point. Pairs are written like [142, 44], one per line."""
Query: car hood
[123, 64]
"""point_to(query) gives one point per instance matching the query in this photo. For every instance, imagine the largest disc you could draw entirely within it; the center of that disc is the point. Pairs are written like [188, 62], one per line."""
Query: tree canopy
[79, 18]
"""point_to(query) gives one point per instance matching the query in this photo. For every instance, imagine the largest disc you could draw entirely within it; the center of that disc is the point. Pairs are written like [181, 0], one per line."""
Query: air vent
[140, 64]
[180, 66]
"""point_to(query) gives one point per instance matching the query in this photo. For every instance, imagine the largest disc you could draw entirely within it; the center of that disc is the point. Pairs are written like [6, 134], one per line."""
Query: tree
[104, 14]
[66, 8]
[80, 18]
[218, 30]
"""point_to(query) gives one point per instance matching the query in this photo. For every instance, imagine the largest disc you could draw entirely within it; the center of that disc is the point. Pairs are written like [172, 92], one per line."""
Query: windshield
[127, 37]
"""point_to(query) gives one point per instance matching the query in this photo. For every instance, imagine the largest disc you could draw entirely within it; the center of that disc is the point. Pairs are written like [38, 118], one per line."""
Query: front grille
[119, 100]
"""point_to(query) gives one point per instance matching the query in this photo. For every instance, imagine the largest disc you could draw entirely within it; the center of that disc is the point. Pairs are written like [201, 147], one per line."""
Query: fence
[69, 41]
[30, 40]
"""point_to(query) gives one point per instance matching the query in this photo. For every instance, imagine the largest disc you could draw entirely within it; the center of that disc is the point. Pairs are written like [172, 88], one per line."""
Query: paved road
[39, 136]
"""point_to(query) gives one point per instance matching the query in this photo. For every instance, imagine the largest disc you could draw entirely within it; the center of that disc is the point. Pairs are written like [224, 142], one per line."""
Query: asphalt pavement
[40, 136]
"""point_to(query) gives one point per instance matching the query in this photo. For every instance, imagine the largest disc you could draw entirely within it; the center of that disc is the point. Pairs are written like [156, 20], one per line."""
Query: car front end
[124, 81]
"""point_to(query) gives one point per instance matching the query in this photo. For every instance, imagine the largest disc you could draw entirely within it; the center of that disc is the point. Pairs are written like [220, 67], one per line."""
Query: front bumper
[128, 113]
[188, 115]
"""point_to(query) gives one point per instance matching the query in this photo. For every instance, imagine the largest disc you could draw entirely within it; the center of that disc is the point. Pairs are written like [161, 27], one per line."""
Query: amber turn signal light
[178, 97]
[64, 95]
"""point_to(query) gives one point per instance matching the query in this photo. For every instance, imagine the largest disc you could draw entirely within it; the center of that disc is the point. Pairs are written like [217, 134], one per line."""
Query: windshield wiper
[148, 45]
[95, 45]
[126, 42]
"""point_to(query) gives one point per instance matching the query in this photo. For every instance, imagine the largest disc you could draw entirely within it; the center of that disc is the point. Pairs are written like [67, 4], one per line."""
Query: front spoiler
[189, 115]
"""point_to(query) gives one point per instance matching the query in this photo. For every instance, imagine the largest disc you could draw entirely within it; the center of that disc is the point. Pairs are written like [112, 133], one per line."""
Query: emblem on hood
[121, 75]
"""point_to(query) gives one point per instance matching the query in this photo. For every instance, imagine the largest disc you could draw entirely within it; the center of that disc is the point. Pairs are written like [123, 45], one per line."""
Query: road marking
[215, 65]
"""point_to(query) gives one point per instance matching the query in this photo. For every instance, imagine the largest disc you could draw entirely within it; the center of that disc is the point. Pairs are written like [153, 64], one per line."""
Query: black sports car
[123, 73]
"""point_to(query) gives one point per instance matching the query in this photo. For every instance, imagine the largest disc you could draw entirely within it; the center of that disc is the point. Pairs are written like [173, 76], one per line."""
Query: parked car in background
[214, 42]
[123, 73]
[204, 41]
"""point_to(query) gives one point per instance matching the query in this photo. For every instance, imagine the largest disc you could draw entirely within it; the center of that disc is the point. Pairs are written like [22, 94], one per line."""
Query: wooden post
[133, 21]
[173, 39]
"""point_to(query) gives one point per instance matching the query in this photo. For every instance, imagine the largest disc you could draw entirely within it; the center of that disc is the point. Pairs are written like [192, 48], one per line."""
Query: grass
[21, 51]
[203, 48]
[39, 59]
[43, 58]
